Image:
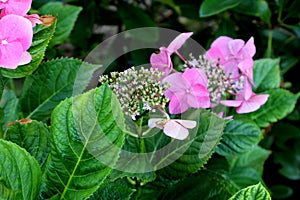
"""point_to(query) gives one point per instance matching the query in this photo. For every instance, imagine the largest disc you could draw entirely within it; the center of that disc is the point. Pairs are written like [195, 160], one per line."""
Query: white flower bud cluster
[138, 90]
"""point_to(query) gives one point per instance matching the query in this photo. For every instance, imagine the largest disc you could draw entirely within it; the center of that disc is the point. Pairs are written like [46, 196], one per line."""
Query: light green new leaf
[212, 7]
[20, 174]
[255, 192]
[66, 16]
[266, 74]
[53, 82]
[240, 135]
[41, 37]
[280, 103]
[32, 136]
[86, 139]
[198, 147]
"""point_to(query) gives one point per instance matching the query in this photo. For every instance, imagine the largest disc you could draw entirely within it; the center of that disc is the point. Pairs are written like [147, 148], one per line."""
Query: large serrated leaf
[266, 74]
[41, 37]
[212, 7]
[32, 136]
[205, 185]
[280, 103]
[199, 149]
[240, 135]
[112, 190]
[9, 103]
[86, 139]
[254, 192]
[67, 15]
[20, 174]
[52, 83]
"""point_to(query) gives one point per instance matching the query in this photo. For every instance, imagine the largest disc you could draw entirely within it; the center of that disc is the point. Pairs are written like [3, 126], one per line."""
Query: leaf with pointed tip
[254, 192]
[20, 174]
[9, 103]
[32, 136]
[54, 81]
[213, 7]
[66, 14]
[86, 139]
[41, 37]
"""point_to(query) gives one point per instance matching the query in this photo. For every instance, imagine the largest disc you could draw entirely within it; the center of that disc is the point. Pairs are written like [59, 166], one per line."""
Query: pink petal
[250, 47]
[153, 123]
[175, 130]
[235, 46]
[16, 29]
[221, 43]
[215, 54]
[10, 55]
[186, 123]
[176, 106]
[25, 59]
[231, 103]
[253, 103]
[18, 7]
[247, 90]
[34, 19]
[195, 76]
[178, 42]
[199, 90]
[162, 61]
[246, 66]
[176, 82]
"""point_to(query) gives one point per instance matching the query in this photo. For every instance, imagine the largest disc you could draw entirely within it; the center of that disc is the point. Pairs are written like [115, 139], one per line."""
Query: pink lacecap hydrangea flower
[234, 55]
[188, 90]
[174, 128]
[17, 7]
[15, 39]
[162, 60]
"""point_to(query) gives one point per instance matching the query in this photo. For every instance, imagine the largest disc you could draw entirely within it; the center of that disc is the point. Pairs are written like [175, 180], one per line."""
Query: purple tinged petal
[178, 42]
[195, 76]
[18, 7]
[25, 59]
[10, 54]
[231, 103]
[250, 47]
[154, 122]
[247, 90]
[176, 130]
[235, 46]
[162, 61]
[186, 123]
[253, 103]
[177, 106]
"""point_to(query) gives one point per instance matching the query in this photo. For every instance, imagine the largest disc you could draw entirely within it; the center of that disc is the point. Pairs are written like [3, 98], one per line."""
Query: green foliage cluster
[54, 154]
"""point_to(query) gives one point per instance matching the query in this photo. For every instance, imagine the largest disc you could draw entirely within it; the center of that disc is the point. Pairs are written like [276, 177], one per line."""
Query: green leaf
[86, 139]
[53, 82]
[112, 190]
[134, 17]
[247, 169]
[20, 174]
[213, 7]
[280, 103]
[240, 135]
[9, 103]
[3, 82]
[258, 8]
[199, 147]
[41, 37]
[205, 185]
[255, 192]
[266, 74]
[32, 136]
[281, 191]
[67, 15]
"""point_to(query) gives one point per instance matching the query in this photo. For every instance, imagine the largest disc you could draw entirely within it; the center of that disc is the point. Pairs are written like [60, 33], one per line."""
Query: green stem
[269, 49]
[12, 85]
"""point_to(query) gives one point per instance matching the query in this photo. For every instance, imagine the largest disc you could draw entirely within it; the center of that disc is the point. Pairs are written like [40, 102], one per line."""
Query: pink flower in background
[17, 7]
[234, 55]
[188, 90]
[15, 39]
[162, 60]
[174, 128]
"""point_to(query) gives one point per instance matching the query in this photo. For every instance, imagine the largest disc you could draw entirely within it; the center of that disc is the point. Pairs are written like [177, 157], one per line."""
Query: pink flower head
[15, 38]
[234, 55]
[188, 89]
[247, 101]
[17, 7]
[174, 128]
[162, 60]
